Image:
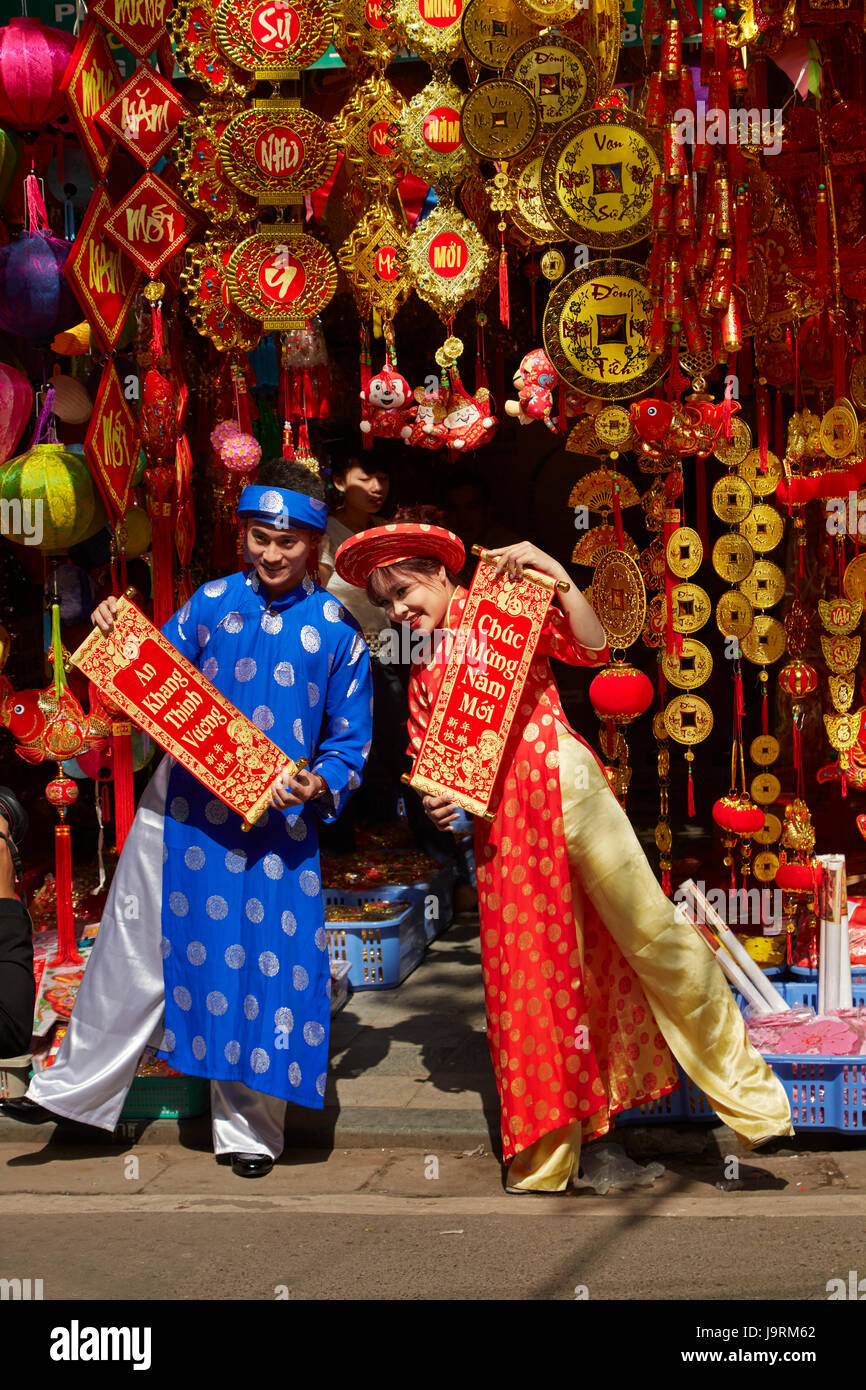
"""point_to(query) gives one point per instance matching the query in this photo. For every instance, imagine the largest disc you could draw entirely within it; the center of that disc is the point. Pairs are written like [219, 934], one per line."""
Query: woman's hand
[441, 811]
[105, 616]
[514, 558]
[295, 791]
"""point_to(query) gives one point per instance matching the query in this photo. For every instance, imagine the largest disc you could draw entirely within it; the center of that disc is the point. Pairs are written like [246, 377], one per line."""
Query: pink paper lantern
[33, 59]
[16, 403]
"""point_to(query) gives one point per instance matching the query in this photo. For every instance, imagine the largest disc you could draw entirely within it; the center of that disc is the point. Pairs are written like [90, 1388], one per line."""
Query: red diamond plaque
[151, 224]
[91, 79]
[104, 279]
[144, 115]
[112, 442]
[139, 23]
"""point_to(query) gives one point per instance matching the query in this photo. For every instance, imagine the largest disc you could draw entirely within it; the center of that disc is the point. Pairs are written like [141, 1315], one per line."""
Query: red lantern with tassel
[33, 60]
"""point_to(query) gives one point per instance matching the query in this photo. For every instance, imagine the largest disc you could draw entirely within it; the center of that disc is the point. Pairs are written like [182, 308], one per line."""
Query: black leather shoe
[27, 1111]
[18, 821]
[251, 1165]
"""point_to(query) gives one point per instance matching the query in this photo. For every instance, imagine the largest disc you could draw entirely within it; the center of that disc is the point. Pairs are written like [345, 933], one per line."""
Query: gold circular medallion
[732, 452]
[771, 831]
[764, 586]
[765, 865]
[553, 265]
[749, 468]
[619, 598]
[659, 728]
[765, 788]
[733, 558]
[602, 354]
[492, 29]
[688, 719]
[499, 119]
[547, 11]
[691, 607]
[597, 178]
[763, 528]
[684, 552]
[734, 614]
[766, 642]
[612, 426]
[857, 385]
[527, 211]
[732, 499]
[692, 668]
[854, 578]
[664, 838]
[559, 74]
[764, 750]
[839, 431]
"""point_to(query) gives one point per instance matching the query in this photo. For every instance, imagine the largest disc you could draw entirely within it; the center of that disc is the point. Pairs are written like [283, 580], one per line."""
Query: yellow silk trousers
[685, 988]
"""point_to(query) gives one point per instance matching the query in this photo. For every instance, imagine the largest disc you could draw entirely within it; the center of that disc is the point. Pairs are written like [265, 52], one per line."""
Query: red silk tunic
[566, 1043]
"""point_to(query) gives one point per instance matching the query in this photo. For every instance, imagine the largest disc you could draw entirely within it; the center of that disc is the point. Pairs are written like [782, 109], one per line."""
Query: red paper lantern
[798, 491]
[62, 791]
[835, 482]
[859, 471]
[33, 59]
[738, 815]
[795, 878]
[798, 679]
[621, 692]
[16, 402]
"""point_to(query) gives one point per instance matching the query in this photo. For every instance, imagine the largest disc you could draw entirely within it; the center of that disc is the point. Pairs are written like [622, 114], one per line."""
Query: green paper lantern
[48, 500]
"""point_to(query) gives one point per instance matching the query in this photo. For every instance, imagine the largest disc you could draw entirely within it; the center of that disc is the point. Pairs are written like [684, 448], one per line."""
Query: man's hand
[105, 615]
[441, 811]
[295, 791]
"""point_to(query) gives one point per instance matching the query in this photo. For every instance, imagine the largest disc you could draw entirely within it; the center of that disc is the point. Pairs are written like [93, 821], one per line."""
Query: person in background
[467, 513]
[362, 485]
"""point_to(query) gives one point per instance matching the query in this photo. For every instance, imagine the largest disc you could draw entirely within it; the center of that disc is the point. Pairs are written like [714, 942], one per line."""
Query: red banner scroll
[139, 670]
[481, 688]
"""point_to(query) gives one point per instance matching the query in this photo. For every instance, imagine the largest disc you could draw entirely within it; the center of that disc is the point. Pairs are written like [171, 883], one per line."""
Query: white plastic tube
[734, 949]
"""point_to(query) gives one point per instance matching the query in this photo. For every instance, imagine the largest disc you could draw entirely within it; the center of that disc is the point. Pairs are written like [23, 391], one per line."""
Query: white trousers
[120, 1007]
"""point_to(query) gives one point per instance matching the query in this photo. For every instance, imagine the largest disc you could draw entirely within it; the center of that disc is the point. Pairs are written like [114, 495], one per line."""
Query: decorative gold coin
[840, 616]
[659, 728]
[764, 585]
[854, 578]
[597, 177]
[684, 552]
[664, 839]
[688, 719]
[771, 831]
[492, 29]
[734, 614]
[612, 426]
[764, 750]
[857, 385]
[733, 558]
[765, 788]
[692, 668]
[765, 866]
[619, 598]
[732, 499]
[749, 468]
[732, 452]
[691, 607]
[553, 265]
[663, 758]
[840, 653]
[766, 641]
[763, 528]
[528, 212]
[839, 428]
[499, 119]
[841, 693]
[843, 730]
[559, 74]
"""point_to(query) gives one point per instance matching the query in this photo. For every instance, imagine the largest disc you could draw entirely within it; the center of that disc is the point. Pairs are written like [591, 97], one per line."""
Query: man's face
[279, 555]
[468, 511]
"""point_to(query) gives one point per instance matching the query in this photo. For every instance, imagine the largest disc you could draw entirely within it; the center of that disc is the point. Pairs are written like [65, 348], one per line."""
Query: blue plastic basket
[380, 954]
[439, 888]
[858, 975]
[826, 1093]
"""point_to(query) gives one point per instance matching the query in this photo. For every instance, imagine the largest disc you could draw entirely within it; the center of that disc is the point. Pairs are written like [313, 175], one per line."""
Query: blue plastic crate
[802, 972]
[439, 886]
[380, 954]
[826, 1093]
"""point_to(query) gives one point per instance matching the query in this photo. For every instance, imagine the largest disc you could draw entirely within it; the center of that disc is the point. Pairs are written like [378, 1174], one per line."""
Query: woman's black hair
[294, 477]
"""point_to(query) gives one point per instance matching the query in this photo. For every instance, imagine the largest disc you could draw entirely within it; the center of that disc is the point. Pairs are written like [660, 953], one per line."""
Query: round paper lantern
[64, 507]
[797, 492]
[621, 693]
[798, 679]
[72, 404]
[33, 59]
[795, 878]
[836, 482]
[62, 791]
[738, 814]
[16, 403]
[35, 299]
[138, 532]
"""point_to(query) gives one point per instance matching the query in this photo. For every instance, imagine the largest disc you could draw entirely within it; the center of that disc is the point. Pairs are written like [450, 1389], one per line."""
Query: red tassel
[504, 311]
[156, 344]
[739, 702]
[124, 790]
[67, 953]
[691, 798]
[666, 881]
[840, 365]
[843, 783]
[765, 714]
